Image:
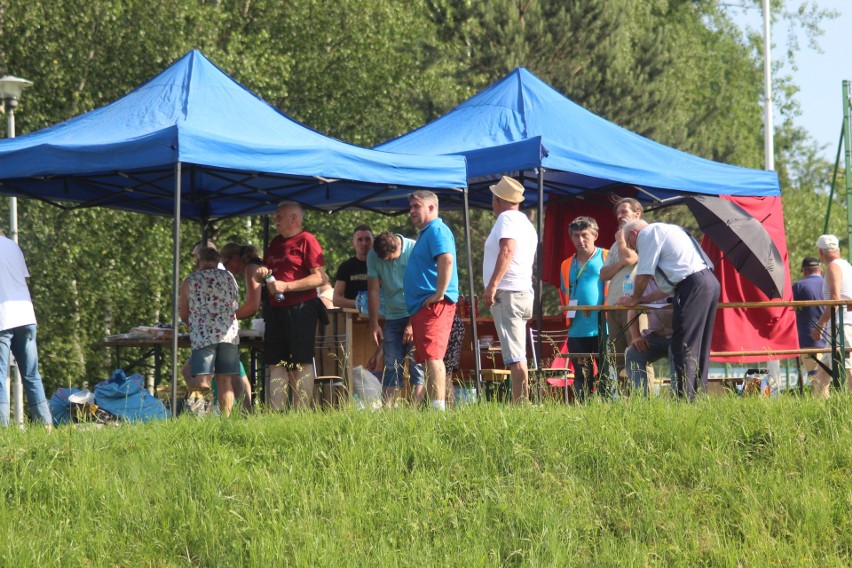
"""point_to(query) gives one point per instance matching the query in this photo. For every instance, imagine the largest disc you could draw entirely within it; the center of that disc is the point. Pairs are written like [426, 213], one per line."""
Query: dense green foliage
[723, 482]
[678, 71]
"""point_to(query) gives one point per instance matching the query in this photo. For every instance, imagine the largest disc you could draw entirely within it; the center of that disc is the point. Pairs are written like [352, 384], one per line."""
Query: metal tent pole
[175, 287]
[847, 146]
[539, 311]
[477, 364]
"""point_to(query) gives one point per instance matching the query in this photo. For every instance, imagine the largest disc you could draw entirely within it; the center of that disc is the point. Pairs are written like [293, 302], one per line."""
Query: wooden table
[343, 321]
[151, 351]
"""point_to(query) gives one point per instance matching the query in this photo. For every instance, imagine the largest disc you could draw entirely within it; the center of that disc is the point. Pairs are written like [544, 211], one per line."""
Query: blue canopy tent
[193, 132]
[520, 124]
[522, 127]
[238, 155]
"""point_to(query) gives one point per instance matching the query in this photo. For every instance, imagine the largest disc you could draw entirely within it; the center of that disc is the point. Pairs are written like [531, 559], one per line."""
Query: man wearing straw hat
[507, 268]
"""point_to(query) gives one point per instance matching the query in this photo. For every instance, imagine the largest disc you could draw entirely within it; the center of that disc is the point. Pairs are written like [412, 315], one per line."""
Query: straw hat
[509, 190]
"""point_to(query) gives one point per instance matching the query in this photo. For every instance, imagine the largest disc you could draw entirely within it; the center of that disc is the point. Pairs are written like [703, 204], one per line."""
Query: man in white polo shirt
[507, 268]
[669, 254]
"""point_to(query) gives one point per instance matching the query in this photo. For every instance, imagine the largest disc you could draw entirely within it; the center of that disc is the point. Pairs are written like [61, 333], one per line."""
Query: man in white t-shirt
[507, 269]
[18, 333]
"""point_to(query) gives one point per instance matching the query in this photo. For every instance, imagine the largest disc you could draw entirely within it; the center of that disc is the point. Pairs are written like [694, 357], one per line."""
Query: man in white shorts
[507, 274]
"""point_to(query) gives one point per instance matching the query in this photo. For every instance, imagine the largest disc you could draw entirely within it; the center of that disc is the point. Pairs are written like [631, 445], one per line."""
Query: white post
[773, 367]
[768, 130]
[13, 201]
[13, 234]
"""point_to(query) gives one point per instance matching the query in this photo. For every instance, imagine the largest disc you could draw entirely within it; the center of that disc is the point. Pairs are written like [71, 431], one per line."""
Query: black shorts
[290, 334]
[454, 345]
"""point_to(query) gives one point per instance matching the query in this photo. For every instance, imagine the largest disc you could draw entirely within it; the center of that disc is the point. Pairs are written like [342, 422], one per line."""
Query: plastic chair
[552, 366]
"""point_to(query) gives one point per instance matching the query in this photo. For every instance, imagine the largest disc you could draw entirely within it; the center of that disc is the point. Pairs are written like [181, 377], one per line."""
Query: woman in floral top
[208, 303]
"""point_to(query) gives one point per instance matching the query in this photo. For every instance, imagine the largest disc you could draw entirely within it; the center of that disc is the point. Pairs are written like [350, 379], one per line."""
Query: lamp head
[12, 87]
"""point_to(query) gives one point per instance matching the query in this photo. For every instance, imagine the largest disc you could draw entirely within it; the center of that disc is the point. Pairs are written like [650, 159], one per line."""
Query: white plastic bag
[366, 388]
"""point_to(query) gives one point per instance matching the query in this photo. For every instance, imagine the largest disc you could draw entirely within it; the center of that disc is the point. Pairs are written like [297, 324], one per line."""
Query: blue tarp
[121, 396]
[238, 154]
[521, 123]
[127, 398]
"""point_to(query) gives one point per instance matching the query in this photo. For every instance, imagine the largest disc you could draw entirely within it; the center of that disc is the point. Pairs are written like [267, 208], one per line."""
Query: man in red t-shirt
[292, 269]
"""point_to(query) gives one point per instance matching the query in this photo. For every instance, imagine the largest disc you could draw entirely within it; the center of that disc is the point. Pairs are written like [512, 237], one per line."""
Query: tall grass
[722, 482]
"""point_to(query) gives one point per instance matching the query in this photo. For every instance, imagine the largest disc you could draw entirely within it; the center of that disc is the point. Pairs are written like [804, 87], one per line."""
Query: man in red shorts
[293, 268]
[431, 291]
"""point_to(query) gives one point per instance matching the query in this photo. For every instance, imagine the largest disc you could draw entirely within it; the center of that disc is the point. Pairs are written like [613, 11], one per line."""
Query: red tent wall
[737, 329]
[750, 329]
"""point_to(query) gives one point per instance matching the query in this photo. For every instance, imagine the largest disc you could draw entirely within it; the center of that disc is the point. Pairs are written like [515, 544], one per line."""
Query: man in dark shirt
[809, 288]
[351, 276]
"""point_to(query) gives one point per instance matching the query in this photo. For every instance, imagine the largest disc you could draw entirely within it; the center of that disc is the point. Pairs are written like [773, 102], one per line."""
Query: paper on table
[571, 313]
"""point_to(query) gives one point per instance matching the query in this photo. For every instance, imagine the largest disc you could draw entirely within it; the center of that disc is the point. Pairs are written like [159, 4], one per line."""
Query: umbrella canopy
[743, 240]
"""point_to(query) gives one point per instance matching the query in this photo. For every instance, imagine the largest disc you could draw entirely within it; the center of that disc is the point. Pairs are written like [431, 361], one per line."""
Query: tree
[675, 71]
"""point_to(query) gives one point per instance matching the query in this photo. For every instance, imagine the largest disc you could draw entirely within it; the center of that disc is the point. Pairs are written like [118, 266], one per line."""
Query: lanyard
[579, 273]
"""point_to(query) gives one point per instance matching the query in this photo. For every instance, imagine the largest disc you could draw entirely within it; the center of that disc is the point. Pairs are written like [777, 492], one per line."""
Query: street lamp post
[10, 91]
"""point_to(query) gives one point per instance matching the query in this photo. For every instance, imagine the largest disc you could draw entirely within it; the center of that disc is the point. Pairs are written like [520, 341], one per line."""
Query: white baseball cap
[828, 242]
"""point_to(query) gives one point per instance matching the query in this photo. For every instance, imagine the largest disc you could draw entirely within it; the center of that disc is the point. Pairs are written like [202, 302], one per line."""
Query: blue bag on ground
[126, 398]
[60, 406]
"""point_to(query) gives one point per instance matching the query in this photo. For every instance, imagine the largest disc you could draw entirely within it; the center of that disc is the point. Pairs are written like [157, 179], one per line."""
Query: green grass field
[722, 482]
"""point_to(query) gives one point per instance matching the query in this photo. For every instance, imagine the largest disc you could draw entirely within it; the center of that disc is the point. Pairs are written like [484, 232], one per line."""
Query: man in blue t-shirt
[809, 288]
[431, 291]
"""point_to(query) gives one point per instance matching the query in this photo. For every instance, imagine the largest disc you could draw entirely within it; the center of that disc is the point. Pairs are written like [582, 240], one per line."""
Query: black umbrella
[743, 241]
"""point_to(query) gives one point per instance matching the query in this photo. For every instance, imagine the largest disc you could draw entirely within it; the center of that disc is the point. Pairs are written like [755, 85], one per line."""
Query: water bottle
[279, 296]
[628, 285]
[361, 302]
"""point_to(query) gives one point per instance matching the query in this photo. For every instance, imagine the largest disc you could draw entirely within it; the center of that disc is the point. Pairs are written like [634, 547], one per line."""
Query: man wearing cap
[669, 254]
[837, 286]
[507, 268]
[809, 288]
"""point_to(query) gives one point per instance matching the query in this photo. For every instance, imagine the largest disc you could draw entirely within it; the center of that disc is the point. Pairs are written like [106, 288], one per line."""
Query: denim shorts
[218, 358]
[395, 353]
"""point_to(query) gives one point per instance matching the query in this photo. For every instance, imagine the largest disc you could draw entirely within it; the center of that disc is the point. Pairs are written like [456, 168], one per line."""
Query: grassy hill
[723, 482]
